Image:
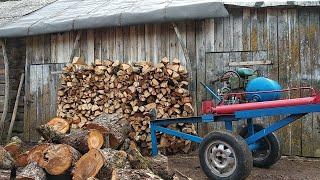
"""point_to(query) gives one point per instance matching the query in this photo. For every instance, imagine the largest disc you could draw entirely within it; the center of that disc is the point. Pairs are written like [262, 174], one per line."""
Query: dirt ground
[287, 168]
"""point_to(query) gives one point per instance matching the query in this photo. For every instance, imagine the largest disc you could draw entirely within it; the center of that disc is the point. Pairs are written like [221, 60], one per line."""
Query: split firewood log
[6, 161]
[59, 124]
[14, 146]
[60, 159]
[31, 172]
[131, 90]
[133, 174]
[82, 140]
[100, 163]
[112, 124]
[5, 174]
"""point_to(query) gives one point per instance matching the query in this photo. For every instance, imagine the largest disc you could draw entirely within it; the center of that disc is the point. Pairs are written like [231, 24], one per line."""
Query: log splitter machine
[244, 95]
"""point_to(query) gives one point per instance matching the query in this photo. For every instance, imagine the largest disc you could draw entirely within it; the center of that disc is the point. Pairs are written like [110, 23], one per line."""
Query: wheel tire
[270, 142]
[239, 150]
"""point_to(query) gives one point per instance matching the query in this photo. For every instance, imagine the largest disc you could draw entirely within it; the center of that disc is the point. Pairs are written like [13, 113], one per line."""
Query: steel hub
[221, 158]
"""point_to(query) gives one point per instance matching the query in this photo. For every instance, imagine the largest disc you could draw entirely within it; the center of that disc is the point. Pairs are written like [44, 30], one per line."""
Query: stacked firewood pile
[140, 91]
[96, 151]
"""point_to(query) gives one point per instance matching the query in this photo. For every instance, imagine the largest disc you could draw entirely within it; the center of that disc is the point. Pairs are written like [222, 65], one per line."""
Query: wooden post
[6, 90]
[15, 109]
[185, 51]
[75, 46]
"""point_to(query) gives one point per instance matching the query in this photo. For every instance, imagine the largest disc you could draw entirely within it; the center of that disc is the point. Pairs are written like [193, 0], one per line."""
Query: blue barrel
[263, 84]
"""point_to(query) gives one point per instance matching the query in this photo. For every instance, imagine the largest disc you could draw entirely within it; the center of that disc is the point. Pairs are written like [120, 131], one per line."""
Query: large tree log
[60, 159]
[36, 154]
[100, 163]
[31, 172]
[79, 139]
[113, 124]
[133, 174]
[6, 161]
[159, 164]
[60, 125]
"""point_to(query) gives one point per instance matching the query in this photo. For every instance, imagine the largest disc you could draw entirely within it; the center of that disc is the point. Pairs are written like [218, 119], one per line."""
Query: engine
[246, 85]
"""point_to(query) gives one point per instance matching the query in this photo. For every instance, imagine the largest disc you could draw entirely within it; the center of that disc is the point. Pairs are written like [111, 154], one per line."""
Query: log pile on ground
[133, 90]
[69, 153]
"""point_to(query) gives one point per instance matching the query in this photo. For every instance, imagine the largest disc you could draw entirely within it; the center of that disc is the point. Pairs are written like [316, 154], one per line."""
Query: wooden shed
[287, 34]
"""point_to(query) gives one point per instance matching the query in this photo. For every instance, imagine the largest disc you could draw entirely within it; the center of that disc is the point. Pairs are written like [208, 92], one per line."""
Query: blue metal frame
[293, 112]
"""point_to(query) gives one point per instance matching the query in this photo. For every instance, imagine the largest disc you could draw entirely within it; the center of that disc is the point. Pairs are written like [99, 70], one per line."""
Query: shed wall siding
[286, 36]
[16, 55]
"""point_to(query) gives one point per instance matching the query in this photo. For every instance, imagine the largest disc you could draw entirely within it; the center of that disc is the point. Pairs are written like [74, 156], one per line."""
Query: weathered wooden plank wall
[286, 36]
[16, 55]
[289, 37]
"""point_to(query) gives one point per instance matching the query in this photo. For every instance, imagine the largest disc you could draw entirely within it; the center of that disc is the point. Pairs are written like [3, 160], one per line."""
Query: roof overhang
[67, 15]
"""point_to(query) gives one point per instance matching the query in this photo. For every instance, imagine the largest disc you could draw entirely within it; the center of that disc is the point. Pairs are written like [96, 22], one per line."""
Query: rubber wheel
[225, 156]
[270, 151]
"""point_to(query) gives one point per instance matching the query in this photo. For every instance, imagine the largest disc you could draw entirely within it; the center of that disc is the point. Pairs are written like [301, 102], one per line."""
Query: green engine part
[245, 72]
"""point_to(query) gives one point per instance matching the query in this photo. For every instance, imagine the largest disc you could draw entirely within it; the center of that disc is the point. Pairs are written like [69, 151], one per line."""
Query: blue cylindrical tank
[263, 84]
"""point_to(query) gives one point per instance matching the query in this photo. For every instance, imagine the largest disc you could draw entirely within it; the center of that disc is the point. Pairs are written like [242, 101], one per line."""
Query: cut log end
[95, 139]
[6, 161]
[59, 125]
[88, 165]
[60, 158]
[36, 154]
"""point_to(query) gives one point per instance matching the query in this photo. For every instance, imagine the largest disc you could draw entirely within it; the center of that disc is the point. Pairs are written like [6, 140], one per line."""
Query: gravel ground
[287, 168]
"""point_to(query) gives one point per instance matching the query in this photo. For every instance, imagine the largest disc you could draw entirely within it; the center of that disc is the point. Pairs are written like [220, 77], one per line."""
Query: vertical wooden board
[83, 46]
[272, 29]
[60, 48]
[45, 94]
[174, 45]
[133, 44]
[156, 43]
[66, 47]
[254, 30]
[164, 41]
[97, 44]
[209, 31]
[200, 58]
[183, 31]
[294, 76]
[218, 35]
[246, 29]
[191, 46]
[53, 91]
[262, 29]
[35, 51]
[314, 42]
[227, 33]
[305, 60]
[113, 54]
[90, 46]
[26, 117]
[119, 44]
[148, 41]
[283, 54]
[126, 43]
[104, 44]
[54, 48]
[237, 14]
[141, 56]
[47, 49]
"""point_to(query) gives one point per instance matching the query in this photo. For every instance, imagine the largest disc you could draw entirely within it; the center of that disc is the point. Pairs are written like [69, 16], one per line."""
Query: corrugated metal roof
[66, 15]
[12, 10]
